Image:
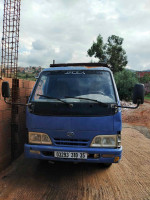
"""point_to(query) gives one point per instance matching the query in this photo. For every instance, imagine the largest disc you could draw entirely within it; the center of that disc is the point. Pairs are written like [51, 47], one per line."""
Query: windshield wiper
[99, 102]
[48, 97]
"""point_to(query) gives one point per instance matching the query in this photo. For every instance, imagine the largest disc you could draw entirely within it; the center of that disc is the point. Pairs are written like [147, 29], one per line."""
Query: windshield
[66, 85]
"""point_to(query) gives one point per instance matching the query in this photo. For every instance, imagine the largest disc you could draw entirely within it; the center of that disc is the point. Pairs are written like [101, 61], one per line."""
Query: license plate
[73, 155]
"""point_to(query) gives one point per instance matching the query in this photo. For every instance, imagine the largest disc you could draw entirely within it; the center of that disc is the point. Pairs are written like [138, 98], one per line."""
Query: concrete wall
[141, 74]
[13, 133]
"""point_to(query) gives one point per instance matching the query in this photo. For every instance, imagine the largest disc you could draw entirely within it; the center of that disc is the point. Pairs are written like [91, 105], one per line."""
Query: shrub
[125, 81]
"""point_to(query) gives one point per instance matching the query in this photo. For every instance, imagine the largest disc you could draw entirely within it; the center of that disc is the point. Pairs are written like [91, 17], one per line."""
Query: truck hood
[51, 123]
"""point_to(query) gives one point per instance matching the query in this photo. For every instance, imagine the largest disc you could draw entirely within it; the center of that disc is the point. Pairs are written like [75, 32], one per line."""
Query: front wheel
[106, 165]
[42, 161]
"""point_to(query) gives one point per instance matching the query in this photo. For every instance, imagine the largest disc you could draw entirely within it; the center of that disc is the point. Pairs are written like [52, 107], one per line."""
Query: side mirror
[138, 94]
[6, 94]
[5, 89]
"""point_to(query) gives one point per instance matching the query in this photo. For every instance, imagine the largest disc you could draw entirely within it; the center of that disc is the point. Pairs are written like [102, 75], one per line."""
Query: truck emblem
[75, 72]
[70, 134]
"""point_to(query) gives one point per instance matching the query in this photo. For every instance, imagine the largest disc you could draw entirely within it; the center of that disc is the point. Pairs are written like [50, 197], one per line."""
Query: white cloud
[65, 29]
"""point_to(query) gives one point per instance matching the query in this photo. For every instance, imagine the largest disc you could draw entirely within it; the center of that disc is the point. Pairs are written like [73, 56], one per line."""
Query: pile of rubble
[125, 103]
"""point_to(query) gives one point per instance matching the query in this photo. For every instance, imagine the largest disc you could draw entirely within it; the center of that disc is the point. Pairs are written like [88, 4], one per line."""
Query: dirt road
[130, 179]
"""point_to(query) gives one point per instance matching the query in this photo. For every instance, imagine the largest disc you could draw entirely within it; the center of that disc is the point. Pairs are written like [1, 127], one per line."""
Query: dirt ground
[139, 116]
[129, 180]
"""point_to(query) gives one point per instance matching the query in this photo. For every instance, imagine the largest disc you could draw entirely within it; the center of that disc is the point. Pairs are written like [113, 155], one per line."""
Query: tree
[145, 78]
[111, 52]
[125, 81]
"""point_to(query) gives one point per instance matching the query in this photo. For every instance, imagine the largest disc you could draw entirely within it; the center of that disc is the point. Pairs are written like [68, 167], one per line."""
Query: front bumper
[47, 153]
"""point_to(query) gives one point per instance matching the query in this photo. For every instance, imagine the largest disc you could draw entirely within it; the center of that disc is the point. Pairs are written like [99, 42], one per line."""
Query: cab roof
[78, 66]
[101, 64]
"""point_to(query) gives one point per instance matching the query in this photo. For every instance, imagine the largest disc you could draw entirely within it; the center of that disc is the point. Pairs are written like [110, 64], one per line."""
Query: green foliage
[98, 49]
[27, 76]
[111, 52]
[125, 81]
[145, 78]
[147, 97]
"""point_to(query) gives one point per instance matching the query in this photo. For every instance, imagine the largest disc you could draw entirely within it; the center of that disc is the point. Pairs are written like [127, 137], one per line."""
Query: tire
[41, 161]
[106, 165]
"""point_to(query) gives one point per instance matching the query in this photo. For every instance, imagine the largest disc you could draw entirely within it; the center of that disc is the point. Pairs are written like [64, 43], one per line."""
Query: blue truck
[74, 114]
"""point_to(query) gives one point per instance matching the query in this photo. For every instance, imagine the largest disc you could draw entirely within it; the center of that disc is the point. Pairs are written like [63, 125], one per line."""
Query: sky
[63, 30]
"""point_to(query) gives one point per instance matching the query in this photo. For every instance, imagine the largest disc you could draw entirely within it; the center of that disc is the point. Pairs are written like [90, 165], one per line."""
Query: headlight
[104, 141]
[39, 138]
[119, 140]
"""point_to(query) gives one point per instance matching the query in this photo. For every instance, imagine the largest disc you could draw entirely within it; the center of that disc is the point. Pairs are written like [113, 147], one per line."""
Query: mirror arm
[138, 103]
[128, 106]
[16, 104]
[7, 102]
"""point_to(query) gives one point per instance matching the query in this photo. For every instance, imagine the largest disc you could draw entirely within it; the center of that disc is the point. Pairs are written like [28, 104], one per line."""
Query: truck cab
[72, 115]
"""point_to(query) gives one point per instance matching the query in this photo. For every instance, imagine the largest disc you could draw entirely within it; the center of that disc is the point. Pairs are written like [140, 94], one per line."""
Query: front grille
[70, 142]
